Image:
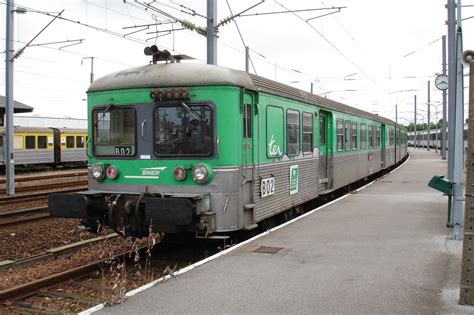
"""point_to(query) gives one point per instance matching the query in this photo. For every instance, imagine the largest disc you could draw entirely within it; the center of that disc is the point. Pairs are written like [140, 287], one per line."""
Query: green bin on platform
[445, 186]
[441, 184]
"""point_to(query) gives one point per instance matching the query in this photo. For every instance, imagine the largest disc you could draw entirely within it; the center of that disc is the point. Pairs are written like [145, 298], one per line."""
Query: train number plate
[267, 187]
[123, 150]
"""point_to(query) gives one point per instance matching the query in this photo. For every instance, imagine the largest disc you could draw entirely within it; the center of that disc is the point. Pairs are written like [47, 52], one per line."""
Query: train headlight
[202, 173]
[179, 173]
[97, 172]
[112, 172]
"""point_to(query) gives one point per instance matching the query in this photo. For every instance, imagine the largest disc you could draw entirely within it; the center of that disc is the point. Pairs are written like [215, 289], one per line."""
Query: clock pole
[443, 132]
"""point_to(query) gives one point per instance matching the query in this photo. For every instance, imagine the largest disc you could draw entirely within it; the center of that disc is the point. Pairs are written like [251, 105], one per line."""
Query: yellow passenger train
[46, 146]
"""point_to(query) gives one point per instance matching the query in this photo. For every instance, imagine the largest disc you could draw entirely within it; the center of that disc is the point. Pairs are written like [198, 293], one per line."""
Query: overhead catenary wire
[241, 37]
[334, 47]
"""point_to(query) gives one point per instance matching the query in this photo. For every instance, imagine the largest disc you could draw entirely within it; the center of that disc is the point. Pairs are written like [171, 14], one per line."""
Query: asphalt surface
[382, 250]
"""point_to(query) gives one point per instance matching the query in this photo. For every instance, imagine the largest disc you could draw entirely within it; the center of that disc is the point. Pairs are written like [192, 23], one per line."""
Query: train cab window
[30, 142]
[69, 142]
[113, 131]
[354, 135]
[184, 131]
[42, 142]
[340, 134]
[247, 121]
[307, 132]
[79, 141]
[293, 132]
[363, 136]
[347, 135]
[322, 130]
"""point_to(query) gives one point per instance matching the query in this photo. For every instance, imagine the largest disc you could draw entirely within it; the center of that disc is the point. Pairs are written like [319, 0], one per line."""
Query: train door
[325, 150]
[384, 146]
[56, 146]
[248, 168]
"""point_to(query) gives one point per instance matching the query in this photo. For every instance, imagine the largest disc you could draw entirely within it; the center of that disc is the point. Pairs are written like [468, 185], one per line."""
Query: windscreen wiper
[105, 111]
[192, 111]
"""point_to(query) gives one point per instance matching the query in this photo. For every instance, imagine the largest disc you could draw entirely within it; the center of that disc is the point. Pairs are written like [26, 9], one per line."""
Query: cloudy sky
[369, 54]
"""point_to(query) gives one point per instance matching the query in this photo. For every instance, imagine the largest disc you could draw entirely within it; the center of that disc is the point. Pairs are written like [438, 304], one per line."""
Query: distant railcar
[421, 138]
[46, 146]
[209, 150]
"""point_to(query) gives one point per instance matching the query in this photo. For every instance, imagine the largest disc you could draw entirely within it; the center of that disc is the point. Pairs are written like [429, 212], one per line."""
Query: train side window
[322, 130]
[347, 135]
[377, 135]
[307, 132]
[293, 132]
[18, 142]
[247, 121]
[354, 136]
[30, 142]
[79, 141]
[1, 141]
[42, 142]
[69, 142]
[363, 136]
[371, 137]
[340, 134]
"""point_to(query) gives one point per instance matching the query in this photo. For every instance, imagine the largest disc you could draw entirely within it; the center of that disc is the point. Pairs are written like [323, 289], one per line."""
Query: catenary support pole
[414, 125]
[247, 58]
[211, 35]
[9, 158]
[466, 295]
[451, 83]
[443, 132]
[458, 165]
[428, 127]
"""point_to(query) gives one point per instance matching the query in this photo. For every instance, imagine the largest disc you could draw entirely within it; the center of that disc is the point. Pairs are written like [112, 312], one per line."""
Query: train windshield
[183, 130]
[114, 131]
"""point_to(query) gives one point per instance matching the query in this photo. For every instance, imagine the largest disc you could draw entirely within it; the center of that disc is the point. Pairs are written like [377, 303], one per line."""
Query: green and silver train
[185, 147]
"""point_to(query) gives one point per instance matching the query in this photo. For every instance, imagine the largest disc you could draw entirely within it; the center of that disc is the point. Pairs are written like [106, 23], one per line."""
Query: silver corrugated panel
[322, 165]
[345, 169]
[73, 155]
[34, 157]
[282, 200]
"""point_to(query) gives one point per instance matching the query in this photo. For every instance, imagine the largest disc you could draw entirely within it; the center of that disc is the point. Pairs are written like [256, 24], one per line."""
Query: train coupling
[206, 224]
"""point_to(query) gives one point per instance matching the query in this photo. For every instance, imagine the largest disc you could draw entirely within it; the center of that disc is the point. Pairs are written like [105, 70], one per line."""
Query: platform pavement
[382, 250]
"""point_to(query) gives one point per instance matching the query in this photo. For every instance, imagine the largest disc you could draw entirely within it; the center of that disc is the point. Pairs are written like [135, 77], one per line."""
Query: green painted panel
[275, 132]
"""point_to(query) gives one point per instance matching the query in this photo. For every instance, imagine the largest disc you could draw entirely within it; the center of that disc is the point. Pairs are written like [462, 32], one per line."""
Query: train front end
[155, 162]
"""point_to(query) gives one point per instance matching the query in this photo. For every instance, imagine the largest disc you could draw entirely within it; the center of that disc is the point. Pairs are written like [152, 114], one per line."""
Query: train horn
[466, 57]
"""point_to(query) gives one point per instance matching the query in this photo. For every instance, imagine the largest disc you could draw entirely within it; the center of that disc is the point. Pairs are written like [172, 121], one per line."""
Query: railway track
[27, 289]
[46, 176]
[26, 189]
[41, 196]
[90, 284]
[23, 215]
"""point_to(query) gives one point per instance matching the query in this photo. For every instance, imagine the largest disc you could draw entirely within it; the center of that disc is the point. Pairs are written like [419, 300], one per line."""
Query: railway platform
[384, 249]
